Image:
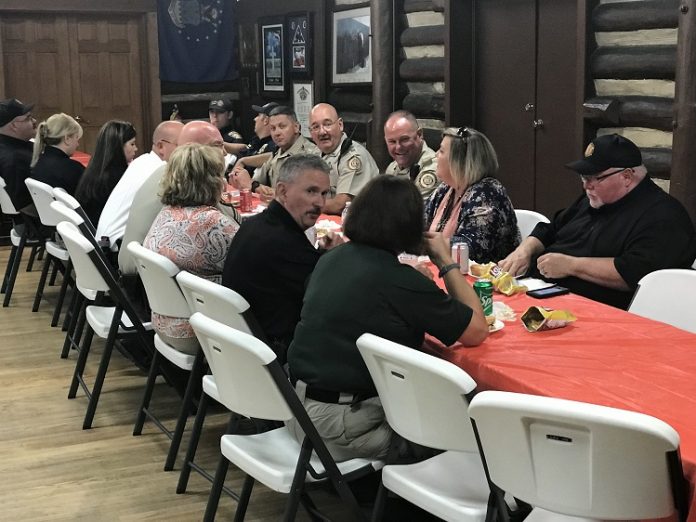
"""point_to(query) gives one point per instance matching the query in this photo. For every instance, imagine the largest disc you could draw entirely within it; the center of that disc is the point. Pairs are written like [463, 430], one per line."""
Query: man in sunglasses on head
[621, 229]
[17, 127]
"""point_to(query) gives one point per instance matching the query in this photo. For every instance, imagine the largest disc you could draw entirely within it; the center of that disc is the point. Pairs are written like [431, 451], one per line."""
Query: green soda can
[484, 290]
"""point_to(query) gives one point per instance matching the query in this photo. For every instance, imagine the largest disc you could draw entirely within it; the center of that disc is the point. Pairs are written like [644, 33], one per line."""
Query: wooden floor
[51, 469]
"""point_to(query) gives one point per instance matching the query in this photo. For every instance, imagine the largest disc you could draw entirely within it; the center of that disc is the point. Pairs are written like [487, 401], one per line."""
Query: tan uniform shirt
[425, 180]
[268, 173]
[351, 172]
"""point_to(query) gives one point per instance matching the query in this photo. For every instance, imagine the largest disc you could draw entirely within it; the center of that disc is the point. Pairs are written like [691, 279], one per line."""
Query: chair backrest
[527, 220]
[158, 276]
[668, 296]
[240, 363]
[5, 201]
[425, 398]
[68, 214]
[214, 300]
[42, 196]
[87, 273]
[69, 201]
[578, 459]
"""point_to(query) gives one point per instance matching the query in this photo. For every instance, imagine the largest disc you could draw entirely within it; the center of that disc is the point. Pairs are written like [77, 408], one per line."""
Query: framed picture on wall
[300, 43]
[248, 46]
[351, 61]
[303, 101]
[273, 57]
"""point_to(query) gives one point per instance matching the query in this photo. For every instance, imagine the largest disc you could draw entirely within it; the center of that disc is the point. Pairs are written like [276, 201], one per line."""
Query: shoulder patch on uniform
[354, 163]
[235, 135]
[428, 180]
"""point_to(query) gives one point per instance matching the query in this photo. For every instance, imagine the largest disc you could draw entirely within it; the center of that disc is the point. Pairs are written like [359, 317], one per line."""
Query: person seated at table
[270, 259]
[114, 150]
[360, 287]
[57, 138]
[471, 205]
[623, 227]
[189, 229]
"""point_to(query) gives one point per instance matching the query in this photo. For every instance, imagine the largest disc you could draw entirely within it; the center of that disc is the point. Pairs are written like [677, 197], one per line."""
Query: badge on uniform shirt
[589, 150]
[354, 163]
[428, 180]
[235, 135]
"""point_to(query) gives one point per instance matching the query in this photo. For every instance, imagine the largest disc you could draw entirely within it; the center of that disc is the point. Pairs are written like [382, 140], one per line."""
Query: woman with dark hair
[114, 150]
[471, 205]
[361, 287]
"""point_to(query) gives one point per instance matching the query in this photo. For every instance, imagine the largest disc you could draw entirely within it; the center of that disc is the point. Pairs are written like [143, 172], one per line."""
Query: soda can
[460, 254]
[245, 201]
[484, 290]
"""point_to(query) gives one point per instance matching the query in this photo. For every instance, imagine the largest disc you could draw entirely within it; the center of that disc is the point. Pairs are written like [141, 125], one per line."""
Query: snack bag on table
[502, 281]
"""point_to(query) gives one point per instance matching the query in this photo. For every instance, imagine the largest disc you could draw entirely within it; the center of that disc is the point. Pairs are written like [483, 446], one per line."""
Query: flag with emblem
[196, 40]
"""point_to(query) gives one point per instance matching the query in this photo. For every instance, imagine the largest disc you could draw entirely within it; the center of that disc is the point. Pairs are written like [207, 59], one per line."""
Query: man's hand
[438, 248]
[239, 177]
[265, 192]
[330, 240]
[517, 263]
[555, 266]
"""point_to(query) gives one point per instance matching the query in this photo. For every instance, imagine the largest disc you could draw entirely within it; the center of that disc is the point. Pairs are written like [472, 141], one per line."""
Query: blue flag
[196, 40]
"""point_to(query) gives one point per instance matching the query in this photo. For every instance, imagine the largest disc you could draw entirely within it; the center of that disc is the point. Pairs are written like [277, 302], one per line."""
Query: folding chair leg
[8, 269]
[101, 374]
[32, 256]
[42, 282]
[193, 444]
[67, 281]
[54, 273]
[77, 321]
[81, 362]
[244, 498]
[147, 394]
[72, 308]
[298, 482]
[216, 489]
[194, 378]
[13, 271]
[380, 501]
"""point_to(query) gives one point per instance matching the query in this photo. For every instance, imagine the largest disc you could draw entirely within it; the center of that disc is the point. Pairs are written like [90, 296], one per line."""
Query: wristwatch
[447, 268]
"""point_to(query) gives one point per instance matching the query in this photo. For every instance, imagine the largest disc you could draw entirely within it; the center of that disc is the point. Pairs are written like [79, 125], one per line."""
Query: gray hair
[295, 165]
[472, 155]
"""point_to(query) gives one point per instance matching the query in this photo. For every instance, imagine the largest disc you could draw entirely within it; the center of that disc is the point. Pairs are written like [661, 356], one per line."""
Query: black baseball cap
[605, 152]
[265, 109]
[220, 105]
[10, 109]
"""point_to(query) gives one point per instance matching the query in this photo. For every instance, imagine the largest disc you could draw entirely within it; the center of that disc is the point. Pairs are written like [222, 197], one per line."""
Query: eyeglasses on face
[591, 180]
[326, 125]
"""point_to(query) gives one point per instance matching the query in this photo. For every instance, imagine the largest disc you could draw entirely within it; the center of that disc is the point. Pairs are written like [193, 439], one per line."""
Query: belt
[333, 397]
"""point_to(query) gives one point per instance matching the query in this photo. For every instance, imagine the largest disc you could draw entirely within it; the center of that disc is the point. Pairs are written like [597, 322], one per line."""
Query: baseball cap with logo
[10, 109]
[605, 152]
[265, 109]
[220, 106]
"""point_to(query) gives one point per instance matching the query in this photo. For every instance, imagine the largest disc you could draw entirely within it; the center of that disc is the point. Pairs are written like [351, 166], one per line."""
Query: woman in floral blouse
[190, 230]
[470, 205]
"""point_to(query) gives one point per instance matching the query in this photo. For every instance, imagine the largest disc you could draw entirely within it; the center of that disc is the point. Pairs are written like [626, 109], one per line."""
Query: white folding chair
[60, 194]
[573, 459]
[19, 241]
[425, 401]
[527, 220]
[668, 296]
[164, 295]
[228, 307]
[252, 382]
[113, 323]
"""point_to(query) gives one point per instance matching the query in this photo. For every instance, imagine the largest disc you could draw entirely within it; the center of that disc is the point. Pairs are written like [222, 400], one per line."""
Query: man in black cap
[17, 127]
[221, 113]
[621, 229]
[259, 149]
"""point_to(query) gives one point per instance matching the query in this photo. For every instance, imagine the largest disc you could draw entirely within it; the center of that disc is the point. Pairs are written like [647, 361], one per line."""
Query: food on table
[538, 319]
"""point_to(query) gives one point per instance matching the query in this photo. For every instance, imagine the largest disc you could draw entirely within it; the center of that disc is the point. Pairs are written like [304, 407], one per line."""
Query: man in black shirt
[621, 229]
[17, 127]
[270, 257]
[221, 115]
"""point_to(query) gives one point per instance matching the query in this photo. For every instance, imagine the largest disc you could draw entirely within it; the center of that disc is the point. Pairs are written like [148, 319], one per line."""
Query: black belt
[333, 397]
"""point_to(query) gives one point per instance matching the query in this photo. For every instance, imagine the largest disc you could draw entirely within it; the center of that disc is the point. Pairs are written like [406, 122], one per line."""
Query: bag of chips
[538, 319]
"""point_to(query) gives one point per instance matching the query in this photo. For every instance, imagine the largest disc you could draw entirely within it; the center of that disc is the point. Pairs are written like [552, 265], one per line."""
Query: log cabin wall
[632, 69]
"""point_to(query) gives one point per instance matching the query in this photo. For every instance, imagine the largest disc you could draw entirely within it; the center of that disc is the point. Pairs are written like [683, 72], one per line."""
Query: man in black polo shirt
[17, 127]
[621, 229]
[270, 257]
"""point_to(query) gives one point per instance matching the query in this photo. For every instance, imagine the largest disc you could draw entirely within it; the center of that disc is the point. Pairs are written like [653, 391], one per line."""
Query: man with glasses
[352, 166]
[412, 156]
[621, 229]
[17, 127]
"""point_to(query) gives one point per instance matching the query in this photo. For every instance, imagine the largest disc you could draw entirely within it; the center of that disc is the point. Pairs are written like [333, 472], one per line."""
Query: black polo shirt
[56, 169]
[15, 158]
[229, 135]
[644, 231]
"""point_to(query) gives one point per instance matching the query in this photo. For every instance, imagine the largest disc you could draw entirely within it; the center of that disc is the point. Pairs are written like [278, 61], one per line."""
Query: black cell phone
[549, 291]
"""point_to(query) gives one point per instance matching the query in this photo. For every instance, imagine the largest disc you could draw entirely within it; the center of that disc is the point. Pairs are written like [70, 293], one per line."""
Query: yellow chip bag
[538, 319]
[504, 283]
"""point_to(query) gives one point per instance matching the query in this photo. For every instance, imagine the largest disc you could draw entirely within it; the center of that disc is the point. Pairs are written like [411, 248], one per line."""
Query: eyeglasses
[326, 125]
[167, 141]
[590, 180]
[28, 117]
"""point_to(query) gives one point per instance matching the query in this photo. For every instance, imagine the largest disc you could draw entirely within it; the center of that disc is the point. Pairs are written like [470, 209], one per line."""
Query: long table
[608, 357]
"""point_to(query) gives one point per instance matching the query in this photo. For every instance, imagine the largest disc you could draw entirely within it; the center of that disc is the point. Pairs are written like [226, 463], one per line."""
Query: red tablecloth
[607, 357]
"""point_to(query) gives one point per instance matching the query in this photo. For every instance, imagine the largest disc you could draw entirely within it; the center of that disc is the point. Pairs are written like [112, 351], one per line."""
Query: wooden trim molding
[79, 6]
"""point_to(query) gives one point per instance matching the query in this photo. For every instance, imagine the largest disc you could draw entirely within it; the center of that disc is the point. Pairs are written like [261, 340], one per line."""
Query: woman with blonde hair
[190, 230]
[57, 138]
[471, 205]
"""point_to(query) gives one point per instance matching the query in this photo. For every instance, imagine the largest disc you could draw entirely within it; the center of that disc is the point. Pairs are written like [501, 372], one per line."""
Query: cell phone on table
[549, 291]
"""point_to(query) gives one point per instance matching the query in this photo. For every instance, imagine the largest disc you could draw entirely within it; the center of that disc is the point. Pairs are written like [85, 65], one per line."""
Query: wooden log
[414, 6]
[630, 16]
[631, 111]
[424, 35]
[658, 161]
[633, 63]
[350, 100]
[382, 28]
[422, 69]
[425, 105]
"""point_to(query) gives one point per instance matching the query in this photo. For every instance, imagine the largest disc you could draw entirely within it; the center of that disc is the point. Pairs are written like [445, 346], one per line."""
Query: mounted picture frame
[351, 59]
[303, 101]
[273, 57]
[248, 46]
[300, 50]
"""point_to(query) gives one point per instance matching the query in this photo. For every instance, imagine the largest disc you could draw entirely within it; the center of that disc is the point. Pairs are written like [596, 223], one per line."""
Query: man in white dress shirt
[112, 223]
